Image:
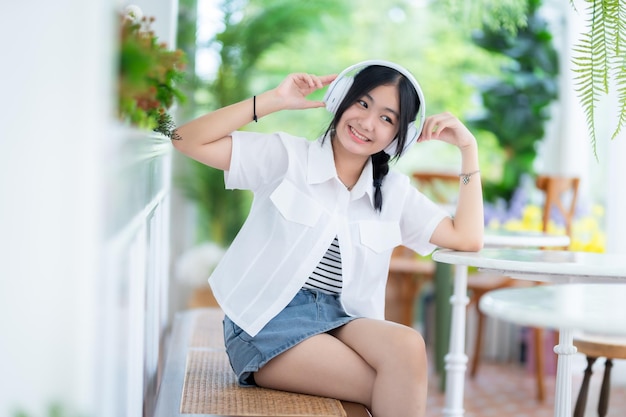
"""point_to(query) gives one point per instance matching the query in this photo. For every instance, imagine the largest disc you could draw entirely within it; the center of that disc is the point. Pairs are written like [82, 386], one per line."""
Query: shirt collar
[365, 184]
[321, 168]
[321, 165]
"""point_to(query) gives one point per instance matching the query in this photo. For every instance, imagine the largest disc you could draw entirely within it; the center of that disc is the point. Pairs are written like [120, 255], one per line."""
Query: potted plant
[147, 75]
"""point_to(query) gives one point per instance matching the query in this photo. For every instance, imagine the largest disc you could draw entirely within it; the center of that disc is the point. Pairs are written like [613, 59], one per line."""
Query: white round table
[530, 264]
[513, 239]
[592, 308]
[456, 358]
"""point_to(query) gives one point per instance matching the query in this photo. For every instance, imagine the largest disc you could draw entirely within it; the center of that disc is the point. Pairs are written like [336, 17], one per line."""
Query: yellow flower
[587, 233]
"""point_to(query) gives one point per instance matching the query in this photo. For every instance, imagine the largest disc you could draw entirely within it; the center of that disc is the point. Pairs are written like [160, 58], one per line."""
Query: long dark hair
[364, 82]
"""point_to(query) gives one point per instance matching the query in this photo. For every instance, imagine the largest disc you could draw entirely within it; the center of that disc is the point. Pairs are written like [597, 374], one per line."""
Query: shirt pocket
[380, 236]
[294, 205]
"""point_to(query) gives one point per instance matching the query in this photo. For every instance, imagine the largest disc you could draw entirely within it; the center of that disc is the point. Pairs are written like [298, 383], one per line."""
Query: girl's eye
[362, 103]
[387, 119]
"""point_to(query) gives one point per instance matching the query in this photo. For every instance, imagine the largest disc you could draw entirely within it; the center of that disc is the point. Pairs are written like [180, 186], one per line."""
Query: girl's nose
[367, 122]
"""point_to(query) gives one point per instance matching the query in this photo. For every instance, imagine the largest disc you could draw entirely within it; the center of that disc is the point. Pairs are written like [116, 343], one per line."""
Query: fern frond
[594, 60]
[600, 39]
[619, 64]
[620, 81]
[620, 28]
[616, 20]
[586, 84]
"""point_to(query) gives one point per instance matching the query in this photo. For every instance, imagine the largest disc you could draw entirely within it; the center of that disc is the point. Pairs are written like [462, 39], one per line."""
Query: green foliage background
[264, 40]
[516, 101]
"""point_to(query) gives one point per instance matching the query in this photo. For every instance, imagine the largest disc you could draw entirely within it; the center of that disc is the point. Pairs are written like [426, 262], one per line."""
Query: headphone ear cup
[337, 90]
[411, 135]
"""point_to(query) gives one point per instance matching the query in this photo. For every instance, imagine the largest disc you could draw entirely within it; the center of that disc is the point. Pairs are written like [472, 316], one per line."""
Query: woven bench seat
[198, 381]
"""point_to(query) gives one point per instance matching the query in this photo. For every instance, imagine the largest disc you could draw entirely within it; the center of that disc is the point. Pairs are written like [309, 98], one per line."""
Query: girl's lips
[357, 136]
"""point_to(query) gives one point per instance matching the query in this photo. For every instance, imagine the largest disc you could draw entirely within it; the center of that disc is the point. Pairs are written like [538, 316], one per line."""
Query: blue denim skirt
[309, 313]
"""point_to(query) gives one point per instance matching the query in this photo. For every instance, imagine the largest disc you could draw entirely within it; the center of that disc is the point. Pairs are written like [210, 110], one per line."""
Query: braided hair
[365, 81]
[380, 165]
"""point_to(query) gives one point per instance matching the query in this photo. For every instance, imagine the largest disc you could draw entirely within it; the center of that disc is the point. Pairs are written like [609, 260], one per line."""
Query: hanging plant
[601, 59]
[147, 75]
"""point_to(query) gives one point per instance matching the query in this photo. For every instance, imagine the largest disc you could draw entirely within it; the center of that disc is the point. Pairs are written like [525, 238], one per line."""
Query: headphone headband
[338, 89]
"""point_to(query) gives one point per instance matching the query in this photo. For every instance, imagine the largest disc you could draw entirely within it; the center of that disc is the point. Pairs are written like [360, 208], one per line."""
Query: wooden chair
[594, 347]
[561, 194]
[441, 187]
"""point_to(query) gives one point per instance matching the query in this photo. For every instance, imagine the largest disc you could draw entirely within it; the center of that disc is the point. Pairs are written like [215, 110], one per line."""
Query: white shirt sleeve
[420, 218]
[256, 159]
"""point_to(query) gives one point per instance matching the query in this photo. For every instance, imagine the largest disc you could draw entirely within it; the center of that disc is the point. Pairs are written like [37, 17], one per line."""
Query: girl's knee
[408, 345]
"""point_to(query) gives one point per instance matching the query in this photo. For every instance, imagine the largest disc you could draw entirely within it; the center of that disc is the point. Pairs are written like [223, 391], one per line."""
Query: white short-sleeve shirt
[299, 207]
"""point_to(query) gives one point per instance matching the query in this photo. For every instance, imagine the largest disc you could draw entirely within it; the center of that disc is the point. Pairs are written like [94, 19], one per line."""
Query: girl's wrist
[469, 148]
[469, 157]
[267, 103]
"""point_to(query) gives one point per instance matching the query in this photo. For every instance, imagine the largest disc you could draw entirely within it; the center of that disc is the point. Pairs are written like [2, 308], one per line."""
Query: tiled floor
[509, 390]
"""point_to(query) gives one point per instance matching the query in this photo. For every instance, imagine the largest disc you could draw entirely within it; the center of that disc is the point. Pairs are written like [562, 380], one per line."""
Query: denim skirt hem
[308, 314]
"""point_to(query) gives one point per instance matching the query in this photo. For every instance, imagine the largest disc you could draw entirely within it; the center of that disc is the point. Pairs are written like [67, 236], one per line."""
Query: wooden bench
[197, 379]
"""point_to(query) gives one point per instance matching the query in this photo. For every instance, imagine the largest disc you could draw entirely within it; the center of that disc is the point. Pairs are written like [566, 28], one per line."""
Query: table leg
[456, 359]
[443, 317]
[563, 390]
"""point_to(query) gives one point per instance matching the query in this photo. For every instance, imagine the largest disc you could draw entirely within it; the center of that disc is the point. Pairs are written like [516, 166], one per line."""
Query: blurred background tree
[516, 101]
[258, 42]
[599, 63]
[250, 29]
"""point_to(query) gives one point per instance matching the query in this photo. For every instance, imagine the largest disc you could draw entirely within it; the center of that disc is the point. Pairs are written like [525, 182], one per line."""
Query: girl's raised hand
[447, 128]
[296, 87]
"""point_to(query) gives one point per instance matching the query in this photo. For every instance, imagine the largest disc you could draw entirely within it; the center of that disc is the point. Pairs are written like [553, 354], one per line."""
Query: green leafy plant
[516, 102]
[601, 56]
[249, 33]
[147, 75]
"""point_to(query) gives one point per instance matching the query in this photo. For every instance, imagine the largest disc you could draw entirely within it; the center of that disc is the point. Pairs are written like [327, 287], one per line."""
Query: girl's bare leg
[321, 365]
[376, 363]
[398, 354]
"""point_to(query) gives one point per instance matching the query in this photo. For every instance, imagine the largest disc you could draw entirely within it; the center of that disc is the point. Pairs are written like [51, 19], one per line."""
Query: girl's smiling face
[370, 124]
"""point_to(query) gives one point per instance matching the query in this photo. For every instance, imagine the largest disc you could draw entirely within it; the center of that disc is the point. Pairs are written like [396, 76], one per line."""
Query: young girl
[303, 283]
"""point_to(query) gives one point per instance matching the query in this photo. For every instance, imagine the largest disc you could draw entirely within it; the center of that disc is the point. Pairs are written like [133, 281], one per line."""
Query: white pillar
[54, 113]
[565, 149]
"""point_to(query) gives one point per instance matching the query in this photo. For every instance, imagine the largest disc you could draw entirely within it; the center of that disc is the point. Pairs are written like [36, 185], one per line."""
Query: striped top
[327, 276]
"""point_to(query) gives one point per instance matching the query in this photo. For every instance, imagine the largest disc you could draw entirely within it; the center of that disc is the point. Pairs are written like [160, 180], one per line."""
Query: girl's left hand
[295, 88]
[447, 128]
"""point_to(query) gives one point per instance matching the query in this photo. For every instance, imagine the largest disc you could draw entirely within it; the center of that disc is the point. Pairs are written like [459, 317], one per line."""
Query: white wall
[70, 328]
[56, 98]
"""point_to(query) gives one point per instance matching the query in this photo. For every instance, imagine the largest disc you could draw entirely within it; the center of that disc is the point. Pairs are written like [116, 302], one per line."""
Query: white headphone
[338, 89]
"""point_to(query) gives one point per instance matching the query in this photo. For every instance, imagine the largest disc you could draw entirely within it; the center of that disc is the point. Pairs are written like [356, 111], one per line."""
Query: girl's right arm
[208, 139]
